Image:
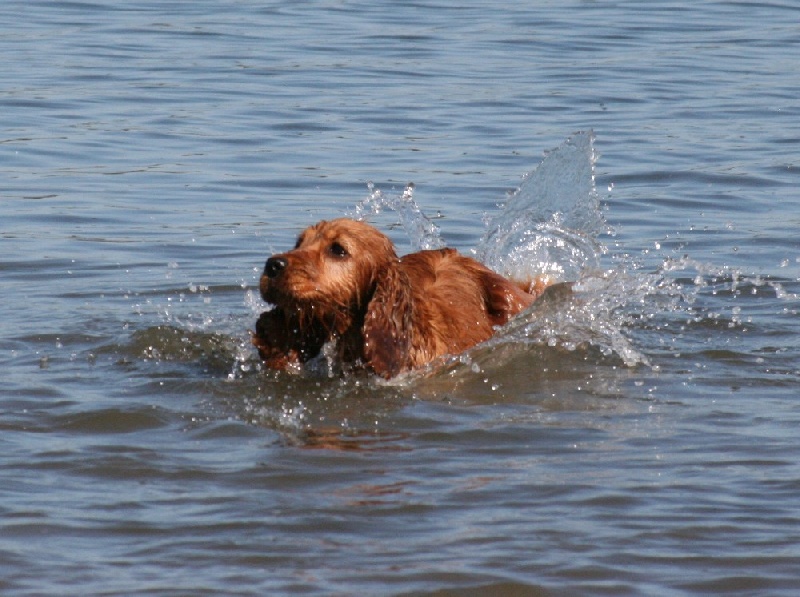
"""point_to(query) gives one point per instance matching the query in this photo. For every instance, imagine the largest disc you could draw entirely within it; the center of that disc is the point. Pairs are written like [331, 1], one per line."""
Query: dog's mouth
[277, 292]
[291, 291]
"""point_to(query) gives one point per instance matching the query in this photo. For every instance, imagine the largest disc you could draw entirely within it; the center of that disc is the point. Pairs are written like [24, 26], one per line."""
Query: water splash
[421, 231]
[598, 313]
[550, 225]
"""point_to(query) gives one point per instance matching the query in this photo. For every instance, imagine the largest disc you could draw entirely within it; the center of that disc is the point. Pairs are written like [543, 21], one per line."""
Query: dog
[344, 285]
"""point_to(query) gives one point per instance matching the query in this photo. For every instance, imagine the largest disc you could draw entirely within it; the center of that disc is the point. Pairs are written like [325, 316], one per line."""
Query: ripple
[113, 421]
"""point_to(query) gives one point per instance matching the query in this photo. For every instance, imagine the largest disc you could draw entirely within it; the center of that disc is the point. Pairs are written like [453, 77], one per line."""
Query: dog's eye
[337, 250]
[299, 242]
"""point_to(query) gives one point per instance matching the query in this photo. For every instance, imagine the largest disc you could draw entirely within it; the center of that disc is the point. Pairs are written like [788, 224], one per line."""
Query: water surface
[639, 441]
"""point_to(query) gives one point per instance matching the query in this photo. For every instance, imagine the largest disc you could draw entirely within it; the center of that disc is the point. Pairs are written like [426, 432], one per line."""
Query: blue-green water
[639, 440]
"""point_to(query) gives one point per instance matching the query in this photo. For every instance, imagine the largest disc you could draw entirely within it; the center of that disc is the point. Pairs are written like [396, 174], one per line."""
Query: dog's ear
[388, 323]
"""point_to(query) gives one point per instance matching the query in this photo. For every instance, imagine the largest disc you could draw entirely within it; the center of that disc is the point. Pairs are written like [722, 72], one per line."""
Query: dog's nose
[274, 266]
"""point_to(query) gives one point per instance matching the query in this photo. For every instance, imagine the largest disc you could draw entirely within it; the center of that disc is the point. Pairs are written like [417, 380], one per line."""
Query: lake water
[640, 438]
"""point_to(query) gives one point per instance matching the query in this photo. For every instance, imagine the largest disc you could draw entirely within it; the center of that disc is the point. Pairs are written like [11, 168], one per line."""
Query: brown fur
[343, 282]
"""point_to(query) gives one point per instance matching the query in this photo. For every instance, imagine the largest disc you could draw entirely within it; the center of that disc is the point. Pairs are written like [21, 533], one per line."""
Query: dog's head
[333, 267]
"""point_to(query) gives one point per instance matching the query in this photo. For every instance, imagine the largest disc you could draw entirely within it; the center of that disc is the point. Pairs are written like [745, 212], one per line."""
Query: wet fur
[343, 283]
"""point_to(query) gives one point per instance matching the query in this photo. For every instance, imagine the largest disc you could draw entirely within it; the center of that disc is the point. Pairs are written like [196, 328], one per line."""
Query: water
[549, 226]
[638, 437]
